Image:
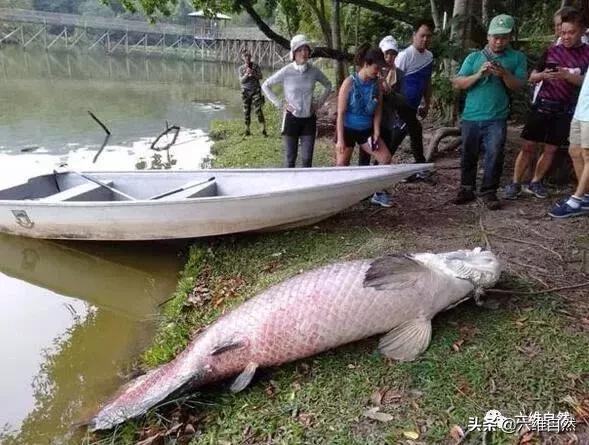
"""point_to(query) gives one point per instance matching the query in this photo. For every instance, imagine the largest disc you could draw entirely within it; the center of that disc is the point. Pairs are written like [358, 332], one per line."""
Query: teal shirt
[488, 99]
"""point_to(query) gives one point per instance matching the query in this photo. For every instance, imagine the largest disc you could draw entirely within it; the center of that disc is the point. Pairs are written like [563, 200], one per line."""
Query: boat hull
[198, 217]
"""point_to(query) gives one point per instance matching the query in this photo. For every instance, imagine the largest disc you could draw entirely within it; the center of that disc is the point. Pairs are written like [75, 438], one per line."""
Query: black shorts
[547, 128]
[353, 137]
[298, 126]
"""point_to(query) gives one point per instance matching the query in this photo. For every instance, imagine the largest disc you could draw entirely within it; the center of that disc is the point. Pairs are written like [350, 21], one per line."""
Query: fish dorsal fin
[407, 341]
[393, 272]
[244, 378]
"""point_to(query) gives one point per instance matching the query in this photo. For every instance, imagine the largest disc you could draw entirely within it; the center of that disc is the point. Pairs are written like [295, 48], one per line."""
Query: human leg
[291, 147]
[415, 130]
[493, 140]
[307, 149]
[258, 102]
[342, 159]
[246, 99]
[471, 140]
[577, 204]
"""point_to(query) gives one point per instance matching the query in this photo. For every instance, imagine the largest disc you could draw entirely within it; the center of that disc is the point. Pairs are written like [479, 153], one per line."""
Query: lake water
[74, 315]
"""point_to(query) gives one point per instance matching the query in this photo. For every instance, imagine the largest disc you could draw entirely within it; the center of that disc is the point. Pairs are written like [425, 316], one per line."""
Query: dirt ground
[534, 247]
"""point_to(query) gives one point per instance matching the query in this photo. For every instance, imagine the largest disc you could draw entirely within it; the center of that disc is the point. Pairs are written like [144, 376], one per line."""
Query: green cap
[501, 24]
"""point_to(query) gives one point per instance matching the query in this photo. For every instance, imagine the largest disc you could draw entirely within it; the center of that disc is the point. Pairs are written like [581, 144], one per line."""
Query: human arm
[468, 75]
[427, 98]
[377, 116]
[277, 77]
[242, 73]
[324, 81]
[257, 72]
[465, 82]
[515, 80]
[342, 105]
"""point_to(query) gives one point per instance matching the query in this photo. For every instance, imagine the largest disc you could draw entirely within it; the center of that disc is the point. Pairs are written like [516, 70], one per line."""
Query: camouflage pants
[256, 99]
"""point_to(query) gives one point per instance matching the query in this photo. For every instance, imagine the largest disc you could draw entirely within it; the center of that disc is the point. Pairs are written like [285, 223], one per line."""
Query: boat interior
[166, 185]
[74, 186]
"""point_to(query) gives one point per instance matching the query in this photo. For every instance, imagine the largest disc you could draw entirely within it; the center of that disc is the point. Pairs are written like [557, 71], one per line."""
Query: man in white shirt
[417, 64]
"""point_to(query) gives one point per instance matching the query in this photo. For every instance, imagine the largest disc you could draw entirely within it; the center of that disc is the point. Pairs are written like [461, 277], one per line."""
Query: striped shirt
[575, 59]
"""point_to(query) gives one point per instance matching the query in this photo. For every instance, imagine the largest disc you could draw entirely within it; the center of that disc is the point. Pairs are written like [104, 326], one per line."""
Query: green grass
[231, 149]
[522, 357]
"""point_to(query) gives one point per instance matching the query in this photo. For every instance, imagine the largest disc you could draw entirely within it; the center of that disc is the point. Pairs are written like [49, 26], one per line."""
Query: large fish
[313, 312]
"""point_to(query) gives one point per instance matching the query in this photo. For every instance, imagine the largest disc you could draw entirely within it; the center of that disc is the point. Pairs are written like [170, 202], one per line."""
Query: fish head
[480, 267]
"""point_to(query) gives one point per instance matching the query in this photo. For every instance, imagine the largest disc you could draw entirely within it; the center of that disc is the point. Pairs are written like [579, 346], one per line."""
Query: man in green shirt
[487, 76]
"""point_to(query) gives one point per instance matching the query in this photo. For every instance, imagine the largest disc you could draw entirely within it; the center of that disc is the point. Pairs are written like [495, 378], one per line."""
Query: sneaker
[424, 176]
[512, 191]
[491, 201]
[584, 203]
[537, 189]
[382, 199]
[464, 196]
[565, 211]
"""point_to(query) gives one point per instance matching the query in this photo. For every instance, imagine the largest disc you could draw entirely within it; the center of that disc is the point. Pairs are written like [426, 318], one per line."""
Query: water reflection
[80, 311]
[49, 93]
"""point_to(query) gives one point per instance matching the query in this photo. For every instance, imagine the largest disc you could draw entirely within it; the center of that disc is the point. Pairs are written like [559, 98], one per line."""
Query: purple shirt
[575, 59]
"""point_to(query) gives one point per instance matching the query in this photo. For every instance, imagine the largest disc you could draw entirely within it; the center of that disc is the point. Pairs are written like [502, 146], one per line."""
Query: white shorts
[579, 135]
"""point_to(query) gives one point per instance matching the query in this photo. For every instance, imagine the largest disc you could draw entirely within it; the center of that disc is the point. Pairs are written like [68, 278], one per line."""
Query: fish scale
[304, 315]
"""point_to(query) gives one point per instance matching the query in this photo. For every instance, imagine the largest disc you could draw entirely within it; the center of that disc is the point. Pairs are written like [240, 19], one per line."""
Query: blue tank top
[362, 102]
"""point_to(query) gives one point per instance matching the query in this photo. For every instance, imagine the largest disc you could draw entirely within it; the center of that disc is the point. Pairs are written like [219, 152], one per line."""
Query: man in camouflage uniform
[250, 75]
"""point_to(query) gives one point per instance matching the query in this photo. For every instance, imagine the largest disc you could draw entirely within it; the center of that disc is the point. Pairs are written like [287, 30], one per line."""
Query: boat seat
[189, 190]
[88, 191]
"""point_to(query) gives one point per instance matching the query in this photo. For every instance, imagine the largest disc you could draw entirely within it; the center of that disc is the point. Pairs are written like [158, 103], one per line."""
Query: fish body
[313, 312]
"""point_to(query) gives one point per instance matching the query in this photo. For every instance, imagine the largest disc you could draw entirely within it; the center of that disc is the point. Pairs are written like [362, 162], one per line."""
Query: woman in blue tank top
[359, 110]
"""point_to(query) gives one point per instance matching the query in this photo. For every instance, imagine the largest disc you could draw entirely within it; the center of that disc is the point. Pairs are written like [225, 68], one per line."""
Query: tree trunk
[459, 15]
[337, 41]
[323, 22]
[486, 7]
[436, 14]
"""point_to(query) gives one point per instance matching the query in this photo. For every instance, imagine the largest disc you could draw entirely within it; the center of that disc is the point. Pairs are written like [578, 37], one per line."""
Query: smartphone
[552, 66]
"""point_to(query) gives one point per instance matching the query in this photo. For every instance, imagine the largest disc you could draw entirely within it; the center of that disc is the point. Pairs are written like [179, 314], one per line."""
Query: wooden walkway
[205, 40]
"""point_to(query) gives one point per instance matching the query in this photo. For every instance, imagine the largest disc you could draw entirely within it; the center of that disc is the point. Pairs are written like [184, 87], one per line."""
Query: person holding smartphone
[359, 109]
[560, 71]
[250, 75]
[487, 76]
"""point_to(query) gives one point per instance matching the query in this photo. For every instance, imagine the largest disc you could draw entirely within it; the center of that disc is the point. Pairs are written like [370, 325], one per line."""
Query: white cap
[296, 42]
[388, 43]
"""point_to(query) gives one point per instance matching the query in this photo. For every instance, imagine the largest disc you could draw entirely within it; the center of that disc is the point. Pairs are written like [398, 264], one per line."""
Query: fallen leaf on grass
[385, 396]
[376, 398]
[373, 413]
[413, 435]
[526, 439]
[456, 345]
[305, 419]
[456, 433]
[152, 440]
[581, 409]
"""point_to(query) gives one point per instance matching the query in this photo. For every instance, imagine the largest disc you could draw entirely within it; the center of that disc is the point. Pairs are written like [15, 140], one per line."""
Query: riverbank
[522, 352]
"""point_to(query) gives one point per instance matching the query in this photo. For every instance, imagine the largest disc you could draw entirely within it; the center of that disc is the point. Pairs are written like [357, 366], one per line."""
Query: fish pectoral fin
[407, 341]
[393, 272]
[244, 378]
[227, 346]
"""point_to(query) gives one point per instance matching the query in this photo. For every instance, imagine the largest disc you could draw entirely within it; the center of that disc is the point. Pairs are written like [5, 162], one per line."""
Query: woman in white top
[298, 80]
